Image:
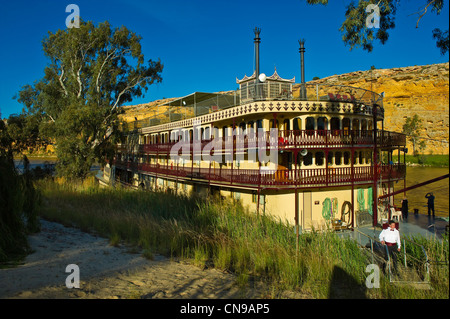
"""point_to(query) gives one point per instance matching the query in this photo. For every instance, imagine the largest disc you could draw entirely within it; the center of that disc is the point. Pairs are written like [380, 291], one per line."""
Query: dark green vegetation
[18, 217]
[222, 234]
[412, 127]
[18, 204]
[355, 32]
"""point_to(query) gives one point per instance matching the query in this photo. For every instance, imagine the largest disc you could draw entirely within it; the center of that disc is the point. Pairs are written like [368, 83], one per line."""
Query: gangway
[416, 269]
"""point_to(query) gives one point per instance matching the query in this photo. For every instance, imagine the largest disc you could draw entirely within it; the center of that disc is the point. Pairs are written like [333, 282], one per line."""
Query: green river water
[416, 197]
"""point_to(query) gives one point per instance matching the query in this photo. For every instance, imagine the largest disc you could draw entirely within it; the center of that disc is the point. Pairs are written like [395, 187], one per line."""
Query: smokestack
[257, 42]
[302, 68]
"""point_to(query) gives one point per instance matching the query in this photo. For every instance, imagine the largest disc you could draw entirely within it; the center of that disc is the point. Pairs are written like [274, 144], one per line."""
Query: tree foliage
[412, 128]
[355, 32]
[92, 71]
[21, 133]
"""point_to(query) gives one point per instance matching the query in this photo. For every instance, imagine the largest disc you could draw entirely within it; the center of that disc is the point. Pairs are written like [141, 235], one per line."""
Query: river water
[416, 197]
[43, 162]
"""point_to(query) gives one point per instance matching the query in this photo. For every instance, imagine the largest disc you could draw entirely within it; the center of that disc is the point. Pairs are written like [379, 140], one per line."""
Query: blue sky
[205, 45]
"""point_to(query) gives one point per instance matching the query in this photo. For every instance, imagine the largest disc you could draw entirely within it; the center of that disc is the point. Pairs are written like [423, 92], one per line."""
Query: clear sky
[206, 45]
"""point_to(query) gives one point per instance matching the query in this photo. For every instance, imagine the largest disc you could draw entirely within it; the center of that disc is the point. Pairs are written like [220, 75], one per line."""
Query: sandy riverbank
[111, 272]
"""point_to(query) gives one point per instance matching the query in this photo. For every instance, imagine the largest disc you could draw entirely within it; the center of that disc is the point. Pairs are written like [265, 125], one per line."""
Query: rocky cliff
[421, 90]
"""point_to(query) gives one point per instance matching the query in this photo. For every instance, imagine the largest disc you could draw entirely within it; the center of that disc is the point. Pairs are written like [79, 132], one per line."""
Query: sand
[112, 272]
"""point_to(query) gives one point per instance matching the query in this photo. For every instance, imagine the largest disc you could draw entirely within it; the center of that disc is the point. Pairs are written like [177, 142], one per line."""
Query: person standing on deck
[430, 203]
[405, 208]
[391, 237]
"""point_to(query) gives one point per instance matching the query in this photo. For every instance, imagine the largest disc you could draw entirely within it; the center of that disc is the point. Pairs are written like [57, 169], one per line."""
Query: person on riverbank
[391, 238]
[405, 207]
[430, 203]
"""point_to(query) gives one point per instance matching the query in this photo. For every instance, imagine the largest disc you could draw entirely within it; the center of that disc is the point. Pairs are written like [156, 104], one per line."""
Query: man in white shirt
[391, 237]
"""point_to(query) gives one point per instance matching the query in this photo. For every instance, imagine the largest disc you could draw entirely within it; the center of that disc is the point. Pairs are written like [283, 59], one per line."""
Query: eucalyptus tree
[356, 32]
[92, 71]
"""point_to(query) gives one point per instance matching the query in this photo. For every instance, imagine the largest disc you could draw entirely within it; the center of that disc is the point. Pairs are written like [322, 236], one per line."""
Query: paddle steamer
[313, 155]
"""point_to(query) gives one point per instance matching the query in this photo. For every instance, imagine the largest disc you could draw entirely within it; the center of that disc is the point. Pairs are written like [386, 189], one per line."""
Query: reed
[215, 233]
[18, 215]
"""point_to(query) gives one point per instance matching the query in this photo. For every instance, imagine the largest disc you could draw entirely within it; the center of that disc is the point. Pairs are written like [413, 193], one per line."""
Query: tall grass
[215, 233]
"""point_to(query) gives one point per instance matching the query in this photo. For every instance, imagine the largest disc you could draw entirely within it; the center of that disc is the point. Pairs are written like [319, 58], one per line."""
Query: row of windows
[311, 123]
[314, 157]
[337, 158]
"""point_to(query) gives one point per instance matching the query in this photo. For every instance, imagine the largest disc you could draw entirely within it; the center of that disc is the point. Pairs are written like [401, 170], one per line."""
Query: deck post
[375, 166]
[353, 186]
[297, 232]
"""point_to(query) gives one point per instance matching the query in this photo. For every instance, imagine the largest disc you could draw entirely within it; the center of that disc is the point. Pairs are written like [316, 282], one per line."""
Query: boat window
[273, 123]
[259, 124]
[319, 158]
[241, 128]
[346, 158]
[297, 123]
[286, 127]
[363, 127]
[335, 124]
[368, 157]
[346, 126]
[355, 125]
[322, 125]
[338, 158]
[307, 159]
[310, 123]
[330, 158]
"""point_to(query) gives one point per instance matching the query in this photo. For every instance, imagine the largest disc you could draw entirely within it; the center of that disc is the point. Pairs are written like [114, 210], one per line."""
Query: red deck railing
[272, 178]
[292, 139]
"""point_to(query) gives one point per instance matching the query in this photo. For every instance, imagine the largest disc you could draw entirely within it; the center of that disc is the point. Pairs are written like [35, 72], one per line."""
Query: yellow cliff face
[142, 111]
[421, 90]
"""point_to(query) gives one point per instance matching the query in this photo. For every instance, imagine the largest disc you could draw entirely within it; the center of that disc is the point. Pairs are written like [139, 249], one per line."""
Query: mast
[302, 69]
[257, 41]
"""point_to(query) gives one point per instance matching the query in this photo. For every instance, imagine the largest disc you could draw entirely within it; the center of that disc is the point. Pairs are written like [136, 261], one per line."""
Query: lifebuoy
[343, 212]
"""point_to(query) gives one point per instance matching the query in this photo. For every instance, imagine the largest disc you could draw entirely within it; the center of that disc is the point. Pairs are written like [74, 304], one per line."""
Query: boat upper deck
[260, 98]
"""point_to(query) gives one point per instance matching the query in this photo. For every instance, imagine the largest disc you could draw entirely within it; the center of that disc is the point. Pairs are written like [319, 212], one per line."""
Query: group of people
[391, 236]
[430, 204]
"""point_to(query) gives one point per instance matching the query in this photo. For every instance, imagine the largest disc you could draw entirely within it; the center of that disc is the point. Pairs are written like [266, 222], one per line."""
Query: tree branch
[61, 80]
[424, 11]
